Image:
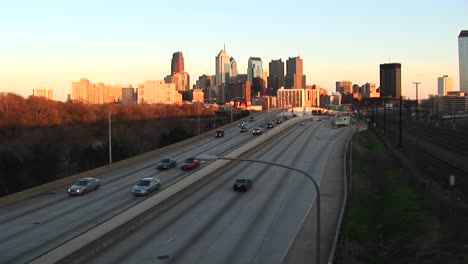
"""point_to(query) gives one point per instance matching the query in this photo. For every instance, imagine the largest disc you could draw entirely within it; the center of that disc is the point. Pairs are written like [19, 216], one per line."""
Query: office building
[369, 90]
[344, 87]
[463, 60]
[180, 79]
[294, 76]
[276, 76]
[45, 93]
[128, 95]
[444, 85]
[158, 92]
[254, 69]
[233, 64]
[390, 80]
[223, 67]
[298, 97]
[177, 63]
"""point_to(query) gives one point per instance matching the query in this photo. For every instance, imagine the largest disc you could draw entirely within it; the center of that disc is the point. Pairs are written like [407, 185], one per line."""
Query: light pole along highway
[317, 189]
[233, 100]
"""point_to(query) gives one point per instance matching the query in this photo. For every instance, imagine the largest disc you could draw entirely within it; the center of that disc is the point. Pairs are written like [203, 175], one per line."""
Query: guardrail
[97, 172]
[131, 213]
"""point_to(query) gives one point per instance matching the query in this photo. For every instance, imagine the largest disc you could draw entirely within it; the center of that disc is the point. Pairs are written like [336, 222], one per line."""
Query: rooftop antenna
[224, 46]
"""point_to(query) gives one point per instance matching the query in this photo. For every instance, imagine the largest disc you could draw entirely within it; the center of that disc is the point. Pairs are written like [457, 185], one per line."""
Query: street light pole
[198, 113]
[417, 102]
[110, 136]
[317, 189]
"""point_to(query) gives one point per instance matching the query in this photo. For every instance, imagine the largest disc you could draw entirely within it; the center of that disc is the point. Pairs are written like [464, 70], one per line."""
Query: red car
[190, 164]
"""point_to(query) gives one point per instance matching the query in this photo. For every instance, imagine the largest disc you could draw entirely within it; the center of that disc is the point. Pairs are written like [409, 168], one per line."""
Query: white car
[146, 185]
[257, 131]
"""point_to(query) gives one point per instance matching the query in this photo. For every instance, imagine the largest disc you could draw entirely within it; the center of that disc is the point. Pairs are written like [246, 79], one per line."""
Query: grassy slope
[386, 220]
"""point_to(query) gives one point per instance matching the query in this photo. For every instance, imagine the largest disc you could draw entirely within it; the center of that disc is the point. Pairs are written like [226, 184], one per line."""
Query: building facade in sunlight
[444, 85]
[158, 92]
[95, 93]
[46, 93]
[294, 75]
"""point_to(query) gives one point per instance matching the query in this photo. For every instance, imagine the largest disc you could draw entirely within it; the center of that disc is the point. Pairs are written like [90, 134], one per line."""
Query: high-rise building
[254, 69]
[128, 95]
[276, 77]
[294, 76]
[177, 63]
[444, 85]
[344, 87]
[390, 80]
[463, 59]
[223, 67]
[233, 63]
[46, 93]
[158, 92]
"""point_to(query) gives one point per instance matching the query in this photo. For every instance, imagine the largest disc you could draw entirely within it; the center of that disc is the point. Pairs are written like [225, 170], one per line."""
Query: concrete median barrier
[111, 224]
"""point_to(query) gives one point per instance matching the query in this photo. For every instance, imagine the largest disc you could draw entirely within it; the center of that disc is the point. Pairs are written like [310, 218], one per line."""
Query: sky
[52, 43]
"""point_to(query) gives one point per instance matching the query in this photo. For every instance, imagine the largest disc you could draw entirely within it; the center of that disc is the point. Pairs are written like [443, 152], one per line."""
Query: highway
[216, 225]
[32, 227]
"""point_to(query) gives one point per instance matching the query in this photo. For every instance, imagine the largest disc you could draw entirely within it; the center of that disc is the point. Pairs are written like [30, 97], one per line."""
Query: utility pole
[417, 102]
[399, 135]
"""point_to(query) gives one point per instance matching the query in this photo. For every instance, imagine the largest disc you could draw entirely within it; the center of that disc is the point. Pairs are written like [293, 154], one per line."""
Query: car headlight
[78, 190]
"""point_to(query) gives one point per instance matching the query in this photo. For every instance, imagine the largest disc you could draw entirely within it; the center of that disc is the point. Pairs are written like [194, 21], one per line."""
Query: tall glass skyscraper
[223, 67]
[463, 60]
[254, 68]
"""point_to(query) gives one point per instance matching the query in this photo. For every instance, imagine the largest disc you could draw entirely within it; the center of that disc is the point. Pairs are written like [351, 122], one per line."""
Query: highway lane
[217, 225]
[34, 226]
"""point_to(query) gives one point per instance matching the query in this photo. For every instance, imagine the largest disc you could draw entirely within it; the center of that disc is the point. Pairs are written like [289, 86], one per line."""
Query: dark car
[190, 164]
[251, 119]
[241, 124]
[257, 131]
[269, 125]
[83, 186]
[277, 121]
[166, 163]
[219, 133]
[243, 129]
[242, 185]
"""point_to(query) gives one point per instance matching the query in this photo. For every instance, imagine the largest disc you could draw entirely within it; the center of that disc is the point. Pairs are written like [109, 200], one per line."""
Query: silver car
[146, 185]
[166, 163]
[84, 185]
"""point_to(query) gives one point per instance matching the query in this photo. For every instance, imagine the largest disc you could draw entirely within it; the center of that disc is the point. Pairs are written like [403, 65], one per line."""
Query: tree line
[43, 140]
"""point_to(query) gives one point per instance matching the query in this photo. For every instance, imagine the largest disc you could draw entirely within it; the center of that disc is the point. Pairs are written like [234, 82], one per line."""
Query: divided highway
[32, 227]
[216, 225]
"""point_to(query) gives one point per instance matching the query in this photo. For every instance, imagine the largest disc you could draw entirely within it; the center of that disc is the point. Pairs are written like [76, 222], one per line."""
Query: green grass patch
[388, 216]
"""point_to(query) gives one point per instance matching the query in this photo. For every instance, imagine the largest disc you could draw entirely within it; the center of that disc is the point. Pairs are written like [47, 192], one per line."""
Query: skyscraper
[276, 77]
[223, 67]
[344, 87]
[444, 85]
[390, 80]
[294, 77]
[254, 68]
[177, 64]
[233, 67]
[463, 60]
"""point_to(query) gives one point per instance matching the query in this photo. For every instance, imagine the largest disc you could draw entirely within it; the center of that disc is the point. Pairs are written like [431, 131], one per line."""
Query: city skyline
[49, 44]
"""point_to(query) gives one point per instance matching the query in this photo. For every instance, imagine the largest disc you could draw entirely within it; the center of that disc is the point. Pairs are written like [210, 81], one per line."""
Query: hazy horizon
[50, 44]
